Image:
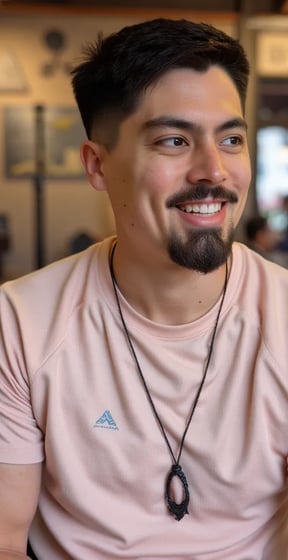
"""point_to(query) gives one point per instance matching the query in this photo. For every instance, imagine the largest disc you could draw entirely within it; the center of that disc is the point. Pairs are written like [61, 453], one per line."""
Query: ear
[92, 157]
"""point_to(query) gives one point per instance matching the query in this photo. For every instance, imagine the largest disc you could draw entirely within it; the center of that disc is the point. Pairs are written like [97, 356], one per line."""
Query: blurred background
[47, 209]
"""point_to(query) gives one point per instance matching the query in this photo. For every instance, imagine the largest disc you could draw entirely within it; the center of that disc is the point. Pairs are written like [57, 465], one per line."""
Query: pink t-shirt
[70, 395]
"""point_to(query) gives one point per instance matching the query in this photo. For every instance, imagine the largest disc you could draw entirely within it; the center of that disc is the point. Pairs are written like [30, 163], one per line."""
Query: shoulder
[258, 270]
[261, 295]
[68, 278]
[36, 310]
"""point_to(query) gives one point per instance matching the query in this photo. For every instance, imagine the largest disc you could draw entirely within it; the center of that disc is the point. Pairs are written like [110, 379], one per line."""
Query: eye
[172, 141]
[233, 141]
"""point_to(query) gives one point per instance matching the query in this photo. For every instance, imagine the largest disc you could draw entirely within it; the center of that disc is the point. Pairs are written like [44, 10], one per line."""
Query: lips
[202, 199]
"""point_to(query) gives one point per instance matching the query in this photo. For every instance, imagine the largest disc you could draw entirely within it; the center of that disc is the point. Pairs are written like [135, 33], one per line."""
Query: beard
[202, 251]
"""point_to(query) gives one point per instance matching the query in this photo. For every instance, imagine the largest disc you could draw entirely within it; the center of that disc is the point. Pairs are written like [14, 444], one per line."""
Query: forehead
[188, 91]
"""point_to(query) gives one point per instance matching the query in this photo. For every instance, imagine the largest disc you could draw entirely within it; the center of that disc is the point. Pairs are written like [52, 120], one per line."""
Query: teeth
[211, 208]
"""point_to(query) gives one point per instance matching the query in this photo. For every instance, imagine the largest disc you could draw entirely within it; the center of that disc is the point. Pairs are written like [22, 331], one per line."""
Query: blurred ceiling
[238, 6]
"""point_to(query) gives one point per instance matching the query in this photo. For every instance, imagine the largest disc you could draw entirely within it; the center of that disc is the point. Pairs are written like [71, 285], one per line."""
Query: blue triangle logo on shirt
[106, 420]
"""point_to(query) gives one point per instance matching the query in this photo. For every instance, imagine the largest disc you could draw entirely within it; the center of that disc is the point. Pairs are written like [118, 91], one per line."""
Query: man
[260, 237]
[263, 239]
[144, 381]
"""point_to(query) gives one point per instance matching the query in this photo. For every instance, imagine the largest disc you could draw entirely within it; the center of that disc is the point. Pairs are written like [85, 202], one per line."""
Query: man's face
[179, 175]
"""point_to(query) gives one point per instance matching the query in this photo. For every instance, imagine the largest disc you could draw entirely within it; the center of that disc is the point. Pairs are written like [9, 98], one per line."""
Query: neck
[165, 292]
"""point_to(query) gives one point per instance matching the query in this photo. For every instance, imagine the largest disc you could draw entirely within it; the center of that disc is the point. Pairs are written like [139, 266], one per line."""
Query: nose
[208, 165]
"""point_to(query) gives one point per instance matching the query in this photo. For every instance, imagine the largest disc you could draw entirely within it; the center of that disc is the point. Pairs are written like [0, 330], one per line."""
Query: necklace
[175, 508]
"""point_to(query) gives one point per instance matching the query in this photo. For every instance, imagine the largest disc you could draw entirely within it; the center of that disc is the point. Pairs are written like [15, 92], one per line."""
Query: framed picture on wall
[55, 133]
[11, 76]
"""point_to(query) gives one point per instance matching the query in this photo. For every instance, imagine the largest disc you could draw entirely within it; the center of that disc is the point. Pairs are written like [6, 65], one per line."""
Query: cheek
[242, 177]
[161, 179]
[243, 188]
[245, 184]
[246, 171]
[119, 183]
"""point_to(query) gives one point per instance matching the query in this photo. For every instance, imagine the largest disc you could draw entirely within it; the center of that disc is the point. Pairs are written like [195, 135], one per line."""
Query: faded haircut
[115, 71]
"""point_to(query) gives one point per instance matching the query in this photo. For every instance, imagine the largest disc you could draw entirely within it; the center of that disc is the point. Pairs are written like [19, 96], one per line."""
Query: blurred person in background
[263, 239]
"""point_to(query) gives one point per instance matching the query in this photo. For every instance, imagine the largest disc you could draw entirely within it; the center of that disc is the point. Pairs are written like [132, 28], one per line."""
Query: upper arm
[19, 493]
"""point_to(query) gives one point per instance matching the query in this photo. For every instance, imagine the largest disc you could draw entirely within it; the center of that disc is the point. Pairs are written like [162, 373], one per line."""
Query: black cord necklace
[176, 509]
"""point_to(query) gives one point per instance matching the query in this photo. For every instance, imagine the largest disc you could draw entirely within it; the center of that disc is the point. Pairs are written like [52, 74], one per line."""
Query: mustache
[200, 192]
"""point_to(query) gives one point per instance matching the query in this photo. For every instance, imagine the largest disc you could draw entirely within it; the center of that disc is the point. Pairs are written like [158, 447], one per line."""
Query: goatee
[202, 251]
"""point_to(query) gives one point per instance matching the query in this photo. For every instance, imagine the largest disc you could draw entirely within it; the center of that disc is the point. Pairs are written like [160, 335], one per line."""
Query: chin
[203, 251]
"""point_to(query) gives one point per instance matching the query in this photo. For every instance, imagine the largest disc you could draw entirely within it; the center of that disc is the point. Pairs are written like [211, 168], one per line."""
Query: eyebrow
[173, 122]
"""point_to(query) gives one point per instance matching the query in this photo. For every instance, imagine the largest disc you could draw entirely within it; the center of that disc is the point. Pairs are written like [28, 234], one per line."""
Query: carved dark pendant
[178, 510]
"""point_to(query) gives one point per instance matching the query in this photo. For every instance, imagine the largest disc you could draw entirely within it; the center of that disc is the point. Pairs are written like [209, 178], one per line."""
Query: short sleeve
[21, 440]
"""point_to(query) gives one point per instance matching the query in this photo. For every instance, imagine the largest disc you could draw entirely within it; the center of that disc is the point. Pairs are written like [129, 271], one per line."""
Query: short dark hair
[116, 71]
[254, 225]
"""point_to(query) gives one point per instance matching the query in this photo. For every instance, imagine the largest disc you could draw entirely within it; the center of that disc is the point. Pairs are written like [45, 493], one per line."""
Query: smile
[211, 208]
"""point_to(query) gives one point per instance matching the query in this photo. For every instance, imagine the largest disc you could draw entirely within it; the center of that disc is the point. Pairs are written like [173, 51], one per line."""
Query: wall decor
[55, 41]
[63, 134]
[11, 76]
